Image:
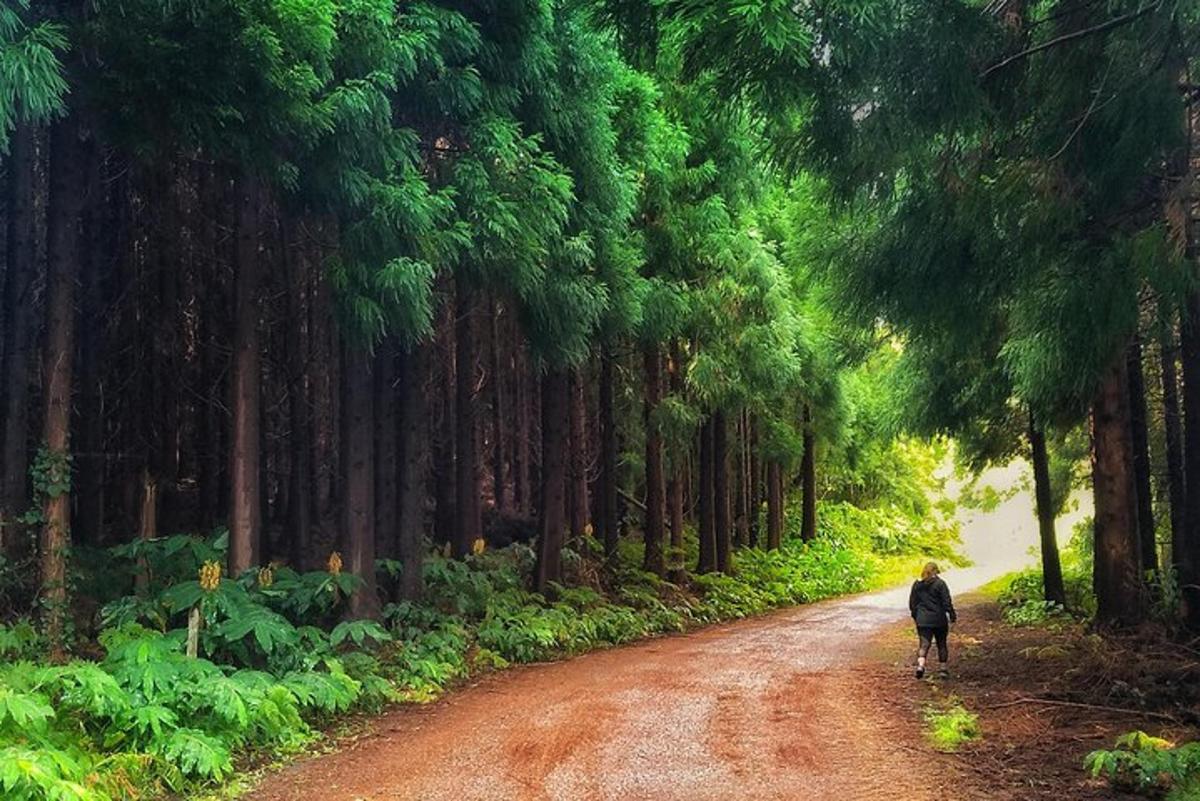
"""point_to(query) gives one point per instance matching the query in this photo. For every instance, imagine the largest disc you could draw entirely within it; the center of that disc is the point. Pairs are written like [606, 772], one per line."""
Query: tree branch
[1124, 19]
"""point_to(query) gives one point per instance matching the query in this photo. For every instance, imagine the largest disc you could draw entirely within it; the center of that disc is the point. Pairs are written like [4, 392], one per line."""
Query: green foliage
[951, 727]
[1023, 603]
[32, 84]
[1149, 766]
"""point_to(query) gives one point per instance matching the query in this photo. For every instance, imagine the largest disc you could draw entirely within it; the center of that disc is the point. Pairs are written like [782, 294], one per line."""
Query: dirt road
[789, 706]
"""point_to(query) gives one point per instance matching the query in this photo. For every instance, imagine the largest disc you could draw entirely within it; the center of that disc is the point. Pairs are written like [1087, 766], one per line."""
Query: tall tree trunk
[655, 491]
[19, 333]
[609, 523]
[808, 480]
[414, 469]
[523, 482]
[90, 461]
[721, 511]
[245, 501]
[67, 191]
[1173, 430]
[499, 409]
[707, 502]
[164, 368]
[774, 505]
[300, 477]
[1188, 558]
[580, 503]
[468, 520]
[386, 455]
[741, 521]
[444, 486]
[358, 461]
[756, 483]
[1140, 440]
[212, 305]
[1182, 167]
[326, 417]
[1052, 578]
[677, 571]
[1118, 591]
[553, 513]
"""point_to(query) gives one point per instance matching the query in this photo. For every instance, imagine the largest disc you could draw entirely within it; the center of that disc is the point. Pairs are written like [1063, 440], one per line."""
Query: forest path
[797, 705]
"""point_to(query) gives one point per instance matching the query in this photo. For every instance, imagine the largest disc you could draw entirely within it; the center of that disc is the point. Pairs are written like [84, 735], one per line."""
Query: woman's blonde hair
[930, 570]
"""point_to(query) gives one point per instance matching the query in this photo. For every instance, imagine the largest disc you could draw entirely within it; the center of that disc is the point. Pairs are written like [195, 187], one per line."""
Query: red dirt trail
[780, 707]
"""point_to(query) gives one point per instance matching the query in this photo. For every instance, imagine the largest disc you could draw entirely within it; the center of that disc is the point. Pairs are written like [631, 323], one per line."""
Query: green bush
[951, 727]
[276, 660]
[1022, 598]
[1149, 766]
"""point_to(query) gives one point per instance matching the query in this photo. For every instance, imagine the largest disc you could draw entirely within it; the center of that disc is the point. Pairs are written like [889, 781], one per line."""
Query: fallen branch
[631, 499]
[1098, 707]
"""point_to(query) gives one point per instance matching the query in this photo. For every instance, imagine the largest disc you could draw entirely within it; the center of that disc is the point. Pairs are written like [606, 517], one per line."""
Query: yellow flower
[335, 563]
[266, 577]
[210, 576]
[478, 546]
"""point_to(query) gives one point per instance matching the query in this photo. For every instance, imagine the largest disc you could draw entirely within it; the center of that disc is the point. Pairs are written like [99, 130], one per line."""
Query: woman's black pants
[928, 634]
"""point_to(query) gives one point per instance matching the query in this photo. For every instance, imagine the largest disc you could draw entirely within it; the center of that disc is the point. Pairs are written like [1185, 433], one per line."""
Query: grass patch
[950, 727]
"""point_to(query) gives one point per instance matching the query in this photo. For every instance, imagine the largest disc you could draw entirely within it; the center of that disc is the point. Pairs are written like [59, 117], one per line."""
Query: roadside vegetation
[183, 673]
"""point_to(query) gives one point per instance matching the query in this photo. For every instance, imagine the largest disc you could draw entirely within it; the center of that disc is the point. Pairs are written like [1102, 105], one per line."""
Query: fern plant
[1149, 766]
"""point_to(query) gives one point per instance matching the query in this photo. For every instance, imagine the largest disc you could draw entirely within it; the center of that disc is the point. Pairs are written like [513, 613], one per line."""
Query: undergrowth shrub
[951, 726]
[1149, 766]
[1023, 602]
[275, 660]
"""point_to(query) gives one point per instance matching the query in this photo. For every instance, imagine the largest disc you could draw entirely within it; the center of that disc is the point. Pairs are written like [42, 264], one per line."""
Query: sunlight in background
[1005, 538]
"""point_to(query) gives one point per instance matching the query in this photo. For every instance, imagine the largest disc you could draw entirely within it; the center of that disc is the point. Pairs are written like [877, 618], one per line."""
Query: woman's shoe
[920, 672]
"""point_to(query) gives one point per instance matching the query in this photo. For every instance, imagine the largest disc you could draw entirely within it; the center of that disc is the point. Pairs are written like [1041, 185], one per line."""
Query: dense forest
[331, 299]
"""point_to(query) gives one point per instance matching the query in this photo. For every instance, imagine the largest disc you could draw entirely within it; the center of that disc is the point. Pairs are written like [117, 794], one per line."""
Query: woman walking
[933, 612]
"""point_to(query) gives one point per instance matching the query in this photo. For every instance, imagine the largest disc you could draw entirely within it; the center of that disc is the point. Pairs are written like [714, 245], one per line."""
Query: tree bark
[1173, 431]
[1118, 590]
[741, 525]
[444, 484]
[677, 568]
[1052, 578]
[580, 503]
[774, 505]
[386, 455]
[468, 520]
[91, 464]
[721, 511]
[499, 409]
[523, 480]
[707, 502]
[358, 461]
[655, 490]
[300, 476]
[245, 501]
[67, 190]
[1140, 440]
[609, 523]
[1188, 557]
[553, 513]
[414, 469]
[808, 479]
[756, 483]
[19, 332]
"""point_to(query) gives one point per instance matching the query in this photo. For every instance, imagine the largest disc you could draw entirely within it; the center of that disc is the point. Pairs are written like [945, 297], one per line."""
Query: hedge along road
[778, 707]
[770, 708]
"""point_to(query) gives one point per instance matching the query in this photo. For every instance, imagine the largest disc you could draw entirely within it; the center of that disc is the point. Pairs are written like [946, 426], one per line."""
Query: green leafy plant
[951, 726]
[1149, 766]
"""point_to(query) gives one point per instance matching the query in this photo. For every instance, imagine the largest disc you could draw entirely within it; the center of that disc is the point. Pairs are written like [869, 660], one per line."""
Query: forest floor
[807, 704]
[1046, 697]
